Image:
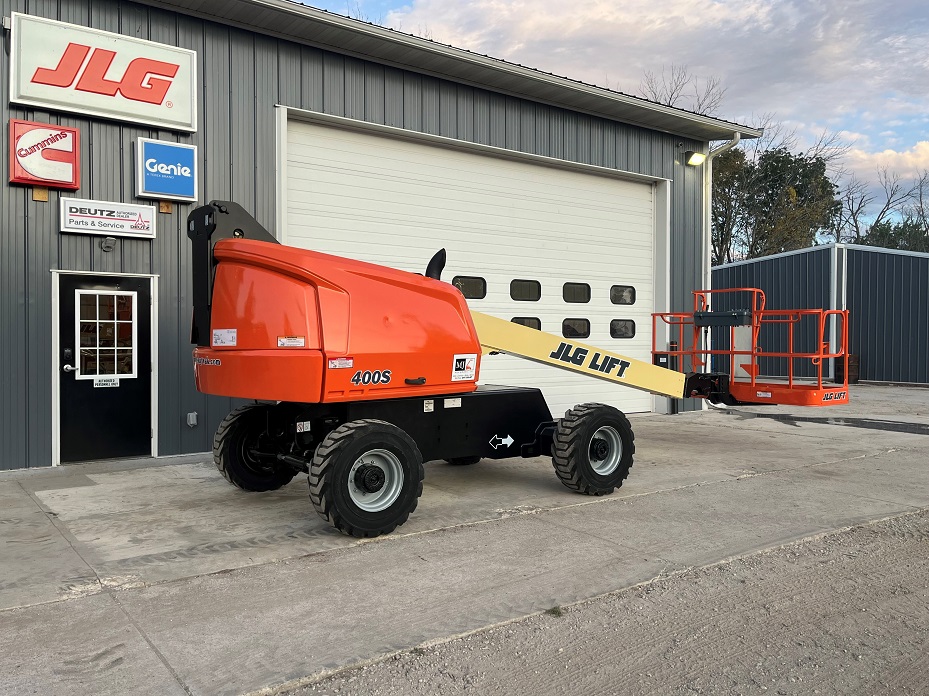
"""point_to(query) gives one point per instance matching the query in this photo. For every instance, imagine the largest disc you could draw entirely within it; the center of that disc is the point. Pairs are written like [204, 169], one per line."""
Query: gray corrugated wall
[888, 302]
[242, 76]
[796, 281]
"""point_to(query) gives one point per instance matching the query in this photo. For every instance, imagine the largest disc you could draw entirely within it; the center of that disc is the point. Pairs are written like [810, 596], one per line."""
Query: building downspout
[708, 209]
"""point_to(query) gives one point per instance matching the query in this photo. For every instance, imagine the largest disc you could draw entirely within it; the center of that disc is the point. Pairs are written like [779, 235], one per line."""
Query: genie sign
[167, 171]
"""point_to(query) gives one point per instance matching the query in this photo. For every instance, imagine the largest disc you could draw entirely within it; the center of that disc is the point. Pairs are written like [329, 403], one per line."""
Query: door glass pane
[106, 364]
[124, 308]
[622, 294]
[531, 322]
[124, 362]
[472, 287]
[89, 307]
[576, 292]
[575, 328]
[89, 334]
[107, 307]
[622, 328]
[88, 364]
[107, 334]
[123, 335]
[525, 290]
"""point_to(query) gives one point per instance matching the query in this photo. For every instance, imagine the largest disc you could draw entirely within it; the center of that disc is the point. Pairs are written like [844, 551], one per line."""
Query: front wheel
[592, 449]
[366, 478]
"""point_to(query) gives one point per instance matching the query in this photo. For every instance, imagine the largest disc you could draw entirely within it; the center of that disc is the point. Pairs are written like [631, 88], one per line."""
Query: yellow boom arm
[515, 339]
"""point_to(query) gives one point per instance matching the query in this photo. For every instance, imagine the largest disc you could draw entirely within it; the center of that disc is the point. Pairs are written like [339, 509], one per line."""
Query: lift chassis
[355, 374]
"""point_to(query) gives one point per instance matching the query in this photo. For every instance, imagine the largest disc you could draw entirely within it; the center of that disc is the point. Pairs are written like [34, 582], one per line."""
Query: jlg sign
[66, 67]
[145, 80]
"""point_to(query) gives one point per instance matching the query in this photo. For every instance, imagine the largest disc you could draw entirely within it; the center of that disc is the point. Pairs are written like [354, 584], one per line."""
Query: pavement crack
[151, 644]
[63, 531]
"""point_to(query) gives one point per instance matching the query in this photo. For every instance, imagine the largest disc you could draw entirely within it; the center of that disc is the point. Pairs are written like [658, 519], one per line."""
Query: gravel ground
[846, 613]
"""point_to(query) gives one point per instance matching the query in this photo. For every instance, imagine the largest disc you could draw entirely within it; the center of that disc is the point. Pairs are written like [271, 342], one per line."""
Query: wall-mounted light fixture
[694, 159]
[108, 243]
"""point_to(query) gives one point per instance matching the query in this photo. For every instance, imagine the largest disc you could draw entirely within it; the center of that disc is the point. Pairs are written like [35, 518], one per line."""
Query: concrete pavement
[124, 577]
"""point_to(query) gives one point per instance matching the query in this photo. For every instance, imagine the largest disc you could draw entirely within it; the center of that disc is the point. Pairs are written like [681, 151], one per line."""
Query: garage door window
[622, 328]
[622, 294]
[526, 290]
[575, 328]
[576, 292]
[531, 322]
[472, 287]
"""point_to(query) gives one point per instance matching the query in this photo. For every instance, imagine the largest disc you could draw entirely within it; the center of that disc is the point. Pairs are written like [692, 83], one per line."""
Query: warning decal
[224, 337]
[464, 367]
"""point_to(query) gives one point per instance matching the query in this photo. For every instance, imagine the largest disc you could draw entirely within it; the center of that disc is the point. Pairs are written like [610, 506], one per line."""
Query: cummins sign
[66, 67]
[42, 154]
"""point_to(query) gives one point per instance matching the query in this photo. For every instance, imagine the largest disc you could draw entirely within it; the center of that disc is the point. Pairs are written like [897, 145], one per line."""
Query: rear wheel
[236, 446]
[366, 478]
[592, 449]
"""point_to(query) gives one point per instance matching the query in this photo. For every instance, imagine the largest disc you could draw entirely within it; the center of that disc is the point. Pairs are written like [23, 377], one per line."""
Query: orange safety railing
[695, 350]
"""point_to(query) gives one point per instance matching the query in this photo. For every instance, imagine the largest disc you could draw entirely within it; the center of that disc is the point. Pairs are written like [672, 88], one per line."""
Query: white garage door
[396, 202]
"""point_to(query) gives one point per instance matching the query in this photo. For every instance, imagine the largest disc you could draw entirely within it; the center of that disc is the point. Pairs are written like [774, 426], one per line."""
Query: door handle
[69, 368]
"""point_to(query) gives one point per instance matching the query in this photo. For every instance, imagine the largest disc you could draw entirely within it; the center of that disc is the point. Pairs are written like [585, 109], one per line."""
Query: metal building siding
[241, 77]
[795, 281]
[887, 295]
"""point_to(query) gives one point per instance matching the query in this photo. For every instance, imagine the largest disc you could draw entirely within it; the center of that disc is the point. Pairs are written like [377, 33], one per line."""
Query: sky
[859, 68]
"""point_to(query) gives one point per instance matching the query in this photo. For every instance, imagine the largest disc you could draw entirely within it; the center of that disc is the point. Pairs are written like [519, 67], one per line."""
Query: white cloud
[857, 66]
[907, 163]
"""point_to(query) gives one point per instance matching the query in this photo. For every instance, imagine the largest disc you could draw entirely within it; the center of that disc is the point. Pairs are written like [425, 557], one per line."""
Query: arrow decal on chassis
[496, 441]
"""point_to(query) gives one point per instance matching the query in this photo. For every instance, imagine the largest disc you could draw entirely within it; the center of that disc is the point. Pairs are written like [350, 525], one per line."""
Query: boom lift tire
[235, 439]
[592, 449]
[366, 477]
[463, 461]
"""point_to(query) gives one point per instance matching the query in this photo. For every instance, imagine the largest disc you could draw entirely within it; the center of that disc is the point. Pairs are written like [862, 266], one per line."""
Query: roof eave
[308, 25]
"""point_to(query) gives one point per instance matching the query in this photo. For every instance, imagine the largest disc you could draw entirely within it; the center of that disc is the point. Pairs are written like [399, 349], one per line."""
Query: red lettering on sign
[68, 67]
[145, 80]
[142, 81]
[93, 79]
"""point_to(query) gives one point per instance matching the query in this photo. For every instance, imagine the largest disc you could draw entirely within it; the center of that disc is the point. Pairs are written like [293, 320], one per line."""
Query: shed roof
[303, 24]
[825, 247]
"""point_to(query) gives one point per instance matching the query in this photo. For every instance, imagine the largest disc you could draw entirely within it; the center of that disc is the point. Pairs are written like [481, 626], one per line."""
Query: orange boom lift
[357, 373]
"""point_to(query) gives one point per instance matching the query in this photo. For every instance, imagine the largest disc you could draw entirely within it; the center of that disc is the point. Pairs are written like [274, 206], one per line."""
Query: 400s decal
[371, 377]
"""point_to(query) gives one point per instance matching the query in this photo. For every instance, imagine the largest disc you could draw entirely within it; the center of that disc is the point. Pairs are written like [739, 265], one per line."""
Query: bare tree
[668, 87]
[677, 86]
[896, 194]
[850, 224]
[775, 136]
[857, 215]
[355, 11]
[708, 97]
[917, 205]
[831, 147]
